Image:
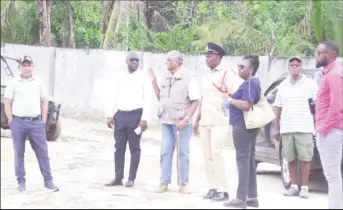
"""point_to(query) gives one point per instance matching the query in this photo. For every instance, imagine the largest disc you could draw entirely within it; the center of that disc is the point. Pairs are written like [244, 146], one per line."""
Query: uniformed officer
[214, 126]
[26, 109]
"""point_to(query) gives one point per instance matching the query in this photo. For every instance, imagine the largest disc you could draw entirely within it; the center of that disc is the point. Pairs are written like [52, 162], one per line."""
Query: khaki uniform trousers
[214, 139]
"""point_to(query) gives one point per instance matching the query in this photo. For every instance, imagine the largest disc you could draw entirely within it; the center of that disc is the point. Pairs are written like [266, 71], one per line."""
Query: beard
[321, 64]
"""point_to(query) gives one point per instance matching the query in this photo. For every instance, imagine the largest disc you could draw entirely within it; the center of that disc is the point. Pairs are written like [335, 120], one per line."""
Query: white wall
[82, 79]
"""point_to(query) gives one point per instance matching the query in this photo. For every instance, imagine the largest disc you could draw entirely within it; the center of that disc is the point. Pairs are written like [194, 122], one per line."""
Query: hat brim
[210, 53]
[295, 58]
[29, 61]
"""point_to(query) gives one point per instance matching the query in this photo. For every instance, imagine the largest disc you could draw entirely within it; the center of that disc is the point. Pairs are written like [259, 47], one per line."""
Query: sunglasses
[134, 59]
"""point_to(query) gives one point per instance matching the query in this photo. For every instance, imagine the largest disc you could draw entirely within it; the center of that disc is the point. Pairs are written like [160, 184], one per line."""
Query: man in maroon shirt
[329, 113]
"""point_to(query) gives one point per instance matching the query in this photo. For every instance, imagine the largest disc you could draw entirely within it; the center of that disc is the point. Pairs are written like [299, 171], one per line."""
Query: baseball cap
[295, 58]
[25, 58]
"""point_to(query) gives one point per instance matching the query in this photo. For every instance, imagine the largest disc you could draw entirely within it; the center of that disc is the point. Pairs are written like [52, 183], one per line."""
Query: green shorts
[297, 146]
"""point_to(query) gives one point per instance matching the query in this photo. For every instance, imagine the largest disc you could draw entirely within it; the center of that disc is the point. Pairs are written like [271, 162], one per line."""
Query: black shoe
[236, 203]
[253, 203]
[221, 196]
[129, 183]
[210, 194]
[115, 182]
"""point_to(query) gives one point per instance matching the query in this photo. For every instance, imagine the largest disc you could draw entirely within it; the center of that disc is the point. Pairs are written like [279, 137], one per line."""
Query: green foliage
[271, 27]
[86, 22]
[136, 36]
[23, 24]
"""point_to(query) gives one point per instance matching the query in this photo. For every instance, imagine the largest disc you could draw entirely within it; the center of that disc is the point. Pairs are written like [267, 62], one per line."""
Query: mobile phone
[312, 105]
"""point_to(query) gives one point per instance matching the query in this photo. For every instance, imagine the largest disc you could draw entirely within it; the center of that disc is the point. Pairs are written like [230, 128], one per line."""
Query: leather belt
[132, 111]
[28, 119]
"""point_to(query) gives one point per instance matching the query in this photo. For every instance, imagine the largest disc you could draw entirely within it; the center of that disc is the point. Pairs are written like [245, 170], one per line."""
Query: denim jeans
[168, 145]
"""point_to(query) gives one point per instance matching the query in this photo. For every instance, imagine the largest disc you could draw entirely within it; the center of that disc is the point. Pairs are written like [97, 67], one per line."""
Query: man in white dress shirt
[128, 117]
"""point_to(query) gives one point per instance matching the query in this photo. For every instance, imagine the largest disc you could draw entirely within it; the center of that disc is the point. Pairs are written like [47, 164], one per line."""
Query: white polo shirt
[293, 99]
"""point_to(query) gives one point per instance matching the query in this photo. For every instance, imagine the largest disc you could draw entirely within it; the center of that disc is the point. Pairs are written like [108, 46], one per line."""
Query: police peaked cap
[213, 48]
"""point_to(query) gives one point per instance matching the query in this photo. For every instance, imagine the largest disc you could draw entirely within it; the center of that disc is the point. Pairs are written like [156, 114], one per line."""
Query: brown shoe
[162, 188]
[184, 189]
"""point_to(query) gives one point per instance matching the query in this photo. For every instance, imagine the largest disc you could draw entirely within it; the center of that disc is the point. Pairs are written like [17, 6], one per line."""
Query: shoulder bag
[260, 114]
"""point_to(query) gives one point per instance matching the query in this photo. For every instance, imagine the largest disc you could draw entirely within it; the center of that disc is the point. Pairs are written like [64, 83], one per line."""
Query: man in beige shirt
[211, 122]
[178, 96]
[26, 109]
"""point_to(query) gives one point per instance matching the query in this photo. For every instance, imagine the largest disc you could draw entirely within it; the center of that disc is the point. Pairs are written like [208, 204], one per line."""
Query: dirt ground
[82, 161]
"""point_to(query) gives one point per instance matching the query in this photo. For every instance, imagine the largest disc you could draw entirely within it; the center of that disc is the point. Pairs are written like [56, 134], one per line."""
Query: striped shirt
[293, 99]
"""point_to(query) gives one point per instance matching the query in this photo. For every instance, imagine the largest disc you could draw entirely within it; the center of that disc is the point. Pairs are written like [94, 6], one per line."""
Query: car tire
[54, 132]
[285, 175]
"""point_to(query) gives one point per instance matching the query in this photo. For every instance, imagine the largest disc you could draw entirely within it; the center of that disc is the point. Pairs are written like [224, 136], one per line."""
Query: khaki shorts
[297, 146]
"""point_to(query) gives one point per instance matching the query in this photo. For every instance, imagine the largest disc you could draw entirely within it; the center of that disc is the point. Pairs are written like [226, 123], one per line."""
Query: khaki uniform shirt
[26, 95]
[211, 105]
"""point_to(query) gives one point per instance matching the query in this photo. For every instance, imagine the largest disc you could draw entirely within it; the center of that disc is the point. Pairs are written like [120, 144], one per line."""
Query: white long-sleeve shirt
[131, 91]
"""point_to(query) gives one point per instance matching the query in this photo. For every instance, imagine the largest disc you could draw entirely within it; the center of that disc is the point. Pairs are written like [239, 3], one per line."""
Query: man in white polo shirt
[295, 123]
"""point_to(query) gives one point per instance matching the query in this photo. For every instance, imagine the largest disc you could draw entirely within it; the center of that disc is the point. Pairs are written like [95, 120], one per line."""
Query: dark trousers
[125, 123]
[35, 130]
[244, 142]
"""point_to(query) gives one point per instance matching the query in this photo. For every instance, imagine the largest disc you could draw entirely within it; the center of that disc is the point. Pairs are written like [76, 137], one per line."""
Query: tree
[271, 27]
[44, 9]
[6, 10]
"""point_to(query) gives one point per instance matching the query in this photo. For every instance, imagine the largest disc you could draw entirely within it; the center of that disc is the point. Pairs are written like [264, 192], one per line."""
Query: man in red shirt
[329, 124]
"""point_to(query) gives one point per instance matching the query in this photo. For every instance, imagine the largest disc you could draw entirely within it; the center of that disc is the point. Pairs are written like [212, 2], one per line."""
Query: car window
[272, 95]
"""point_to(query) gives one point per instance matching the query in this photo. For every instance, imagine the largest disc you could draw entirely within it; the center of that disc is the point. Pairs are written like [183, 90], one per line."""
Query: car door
[273, 144]
[264, 141]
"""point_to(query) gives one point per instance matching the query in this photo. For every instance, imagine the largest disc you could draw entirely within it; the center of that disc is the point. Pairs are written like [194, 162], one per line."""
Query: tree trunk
[71, 29]
[106, 15]
[6, 11]
[44, 9]
[149, 13]
[113, 25]
[68, 37]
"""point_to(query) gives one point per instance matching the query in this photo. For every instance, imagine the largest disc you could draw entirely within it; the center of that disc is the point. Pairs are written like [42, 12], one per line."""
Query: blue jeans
[168, 145]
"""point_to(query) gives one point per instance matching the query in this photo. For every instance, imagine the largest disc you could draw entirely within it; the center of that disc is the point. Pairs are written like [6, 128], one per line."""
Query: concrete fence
[82, 80]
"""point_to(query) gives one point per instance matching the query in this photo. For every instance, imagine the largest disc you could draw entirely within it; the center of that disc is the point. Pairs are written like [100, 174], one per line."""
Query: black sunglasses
[134, 59]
